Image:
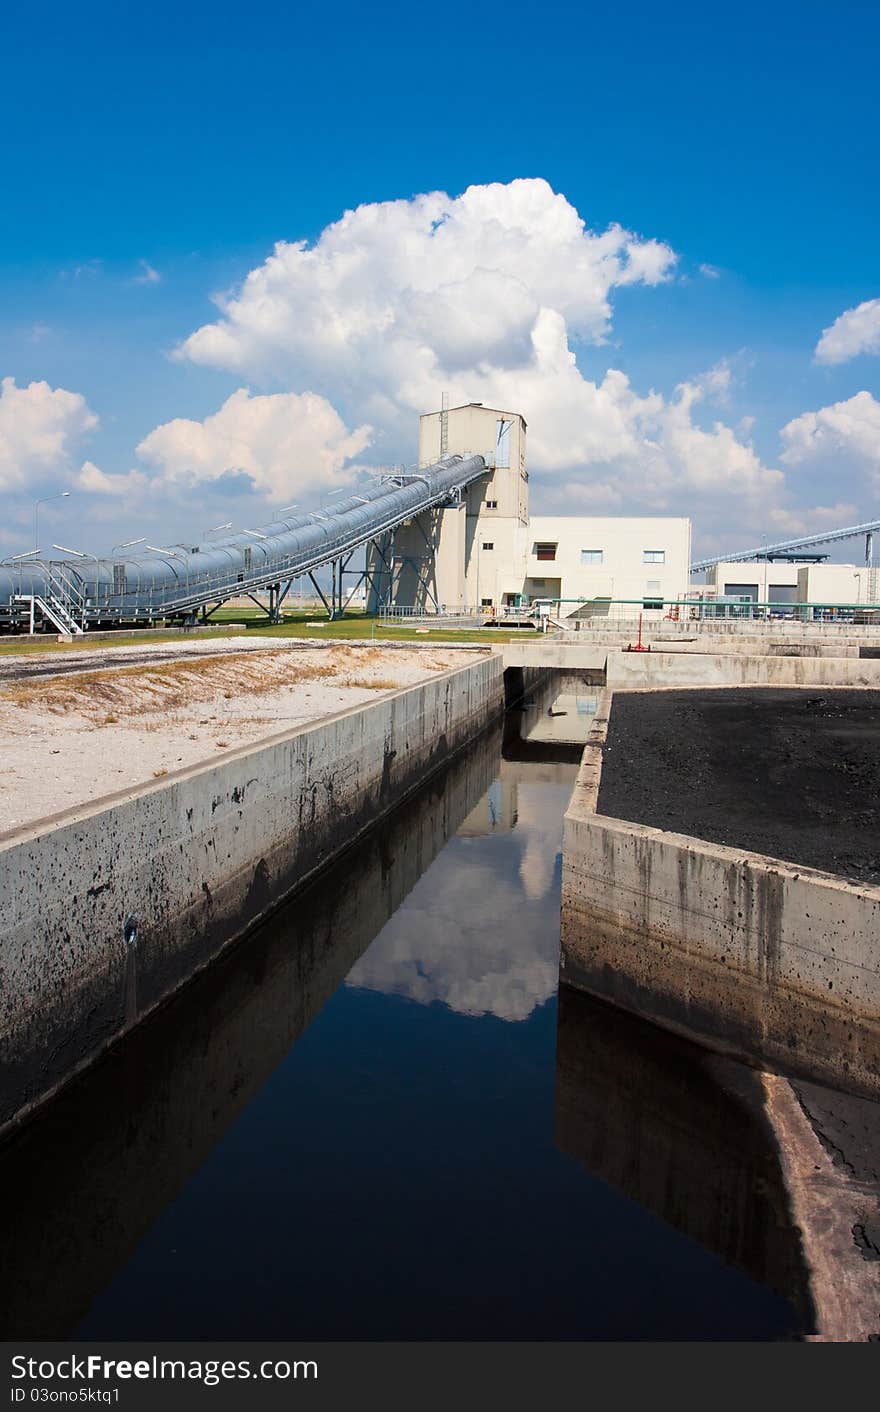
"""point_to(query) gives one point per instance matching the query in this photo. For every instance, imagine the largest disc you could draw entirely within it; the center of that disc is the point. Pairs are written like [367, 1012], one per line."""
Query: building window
[488, 544]
[502, 442]
[545, 552]
[491, 504]
[653, 556]
[591, 556]
[485, 602]
[653, 594]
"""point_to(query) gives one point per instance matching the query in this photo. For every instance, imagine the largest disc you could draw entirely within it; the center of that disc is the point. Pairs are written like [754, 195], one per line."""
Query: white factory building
[782, 582]
[489, 553]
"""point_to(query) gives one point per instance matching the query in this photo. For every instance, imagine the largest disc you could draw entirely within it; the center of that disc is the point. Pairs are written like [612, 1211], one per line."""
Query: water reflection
[480, 931]
[682, 1132]
[552, 724]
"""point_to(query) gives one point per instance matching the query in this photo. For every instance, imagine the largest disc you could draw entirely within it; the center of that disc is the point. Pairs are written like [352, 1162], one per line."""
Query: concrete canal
[373, 1118]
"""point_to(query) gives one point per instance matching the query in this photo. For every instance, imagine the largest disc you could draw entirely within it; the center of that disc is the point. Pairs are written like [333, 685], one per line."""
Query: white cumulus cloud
[486, 295]
[843, 437]
[812, 519]
[617, 446]
[285, 443]
[426, 286]
[40, 427]
[97, 482]
[855, 331]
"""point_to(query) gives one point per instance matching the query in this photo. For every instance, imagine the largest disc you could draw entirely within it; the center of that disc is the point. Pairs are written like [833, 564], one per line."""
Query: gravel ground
[793, 774]
[68, 739]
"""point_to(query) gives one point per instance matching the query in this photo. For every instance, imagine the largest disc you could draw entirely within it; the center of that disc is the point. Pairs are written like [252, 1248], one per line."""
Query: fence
[594, 612]
[585, 612]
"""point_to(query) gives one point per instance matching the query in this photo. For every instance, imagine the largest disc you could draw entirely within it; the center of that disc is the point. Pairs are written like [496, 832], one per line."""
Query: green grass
[357, 626]
[309, 624]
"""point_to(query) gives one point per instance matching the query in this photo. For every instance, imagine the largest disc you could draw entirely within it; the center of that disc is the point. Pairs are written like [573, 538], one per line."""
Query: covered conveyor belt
[177, 581]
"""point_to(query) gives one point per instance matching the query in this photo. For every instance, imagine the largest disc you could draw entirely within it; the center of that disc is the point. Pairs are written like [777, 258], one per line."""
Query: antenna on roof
[444, 424]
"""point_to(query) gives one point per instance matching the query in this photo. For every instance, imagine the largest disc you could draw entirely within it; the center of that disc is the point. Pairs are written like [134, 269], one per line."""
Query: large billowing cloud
[813, 519]
[481, 937]
[40, 429]
[855, 331]
[97, 482]
[487, 295]
[610, 448]
[284, 443]
[843, 437]
[491, 295]
[427, 286]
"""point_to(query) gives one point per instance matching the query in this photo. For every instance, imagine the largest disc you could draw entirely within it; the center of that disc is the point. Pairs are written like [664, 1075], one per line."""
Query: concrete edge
[826, 1206]
[724, 853]
[583, 805]
[585, 795]
[637, 689]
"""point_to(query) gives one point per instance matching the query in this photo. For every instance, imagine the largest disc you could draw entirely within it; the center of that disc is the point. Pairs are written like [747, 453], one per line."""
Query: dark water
[374, 1120]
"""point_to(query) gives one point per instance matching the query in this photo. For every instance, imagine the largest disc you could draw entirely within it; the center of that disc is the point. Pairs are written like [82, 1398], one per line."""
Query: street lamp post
[60, 495]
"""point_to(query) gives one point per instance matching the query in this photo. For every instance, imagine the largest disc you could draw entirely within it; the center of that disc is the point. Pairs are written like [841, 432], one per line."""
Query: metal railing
[407, 612]
[694, 611]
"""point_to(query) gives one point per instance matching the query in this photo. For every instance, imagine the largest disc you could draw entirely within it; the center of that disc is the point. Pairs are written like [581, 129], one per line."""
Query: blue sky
[153, 158]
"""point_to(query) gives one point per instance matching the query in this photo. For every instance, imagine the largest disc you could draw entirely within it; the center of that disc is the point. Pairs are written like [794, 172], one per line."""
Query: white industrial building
[763, 581]
[788, 582]
[488, 553]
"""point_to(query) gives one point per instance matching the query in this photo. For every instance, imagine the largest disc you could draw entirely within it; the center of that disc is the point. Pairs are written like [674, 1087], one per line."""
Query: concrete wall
[110, 908]
[736, 662]
[549, 654]
[669, 669]
[723, 630]
[775, 963]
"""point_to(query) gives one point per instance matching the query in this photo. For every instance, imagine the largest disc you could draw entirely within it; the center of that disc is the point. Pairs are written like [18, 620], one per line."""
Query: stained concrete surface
[793, 774]
[848, 1128]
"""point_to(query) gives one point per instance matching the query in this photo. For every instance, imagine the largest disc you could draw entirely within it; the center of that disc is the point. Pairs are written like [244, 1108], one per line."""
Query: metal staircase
[63, 601]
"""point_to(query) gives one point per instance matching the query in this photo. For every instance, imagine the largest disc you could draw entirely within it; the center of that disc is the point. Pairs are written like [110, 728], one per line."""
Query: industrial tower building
[485, 551]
